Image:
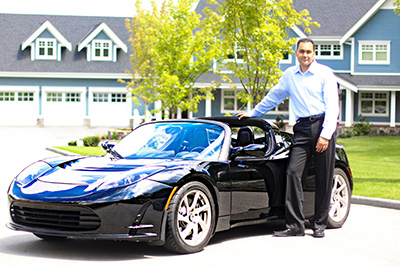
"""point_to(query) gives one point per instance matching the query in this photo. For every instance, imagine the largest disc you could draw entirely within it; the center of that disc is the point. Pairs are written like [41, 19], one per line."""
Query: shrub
[362, 128]
[91, 141]
[72, 143]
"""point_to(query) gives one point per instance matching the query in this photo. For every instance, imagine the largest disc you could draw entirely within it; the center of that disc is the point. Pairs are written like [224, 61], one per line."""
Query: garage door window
[13, 96]
[72, 97]
[118, 97]
[100, 97]
[7, 96]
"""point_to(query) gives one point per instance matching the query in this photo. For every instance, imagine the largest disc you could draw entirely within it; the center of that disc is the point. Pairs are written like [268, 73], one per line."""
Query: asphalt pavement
[370, 237]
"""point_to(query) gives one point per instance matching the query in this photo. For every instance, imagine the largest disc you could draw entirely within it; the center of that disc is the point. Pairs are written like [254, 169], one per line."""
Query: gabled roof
[107, 30]
[47, 26]
[370, 81]
[15, 61]
[362, 21]
[337, 17]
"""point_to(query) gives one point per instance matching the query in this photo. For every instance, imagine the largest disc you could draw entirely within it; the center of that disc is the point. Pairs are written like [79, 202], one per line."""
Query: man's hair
[305, 40]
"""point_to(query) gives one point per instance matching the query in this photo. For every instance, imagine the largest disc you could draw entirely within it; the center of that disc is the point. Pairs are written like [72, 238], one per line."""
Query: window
[72, 97]
[374, 103]
[101, 50]
[121, 97]
[326, 51]
[374, 52]
[46, 48]
[100, 97]
[287, 58]
[25, 96]
[54, 97]
[230, 101]
[7, 96]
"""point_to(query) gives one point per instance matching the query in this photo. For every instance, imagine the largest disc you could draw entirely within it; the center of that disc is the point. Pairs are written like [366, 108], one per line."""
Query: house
[63, 70]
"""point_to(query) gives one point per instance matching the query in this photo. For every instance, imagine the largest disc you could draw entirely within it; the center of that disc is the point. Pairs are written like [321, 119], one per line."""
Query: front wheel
[190, 219]
[340, 199]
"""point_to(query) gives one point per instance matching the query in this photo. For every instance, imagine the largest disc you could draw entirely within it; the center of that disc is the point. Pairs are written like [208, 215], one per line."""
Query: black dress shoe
[289, 232]
[318, 233]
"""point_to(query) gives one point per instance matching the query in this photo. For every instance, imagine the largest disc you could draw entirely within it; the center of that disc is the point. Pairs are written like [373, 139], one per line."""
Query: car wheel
[190, 219]
[340, 199]
[51, 238]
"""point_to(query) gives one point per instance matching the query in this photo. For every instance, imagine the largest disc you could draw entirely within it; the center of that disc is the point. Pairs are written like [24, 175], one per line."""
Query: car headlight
[124, 179]
[31, 172]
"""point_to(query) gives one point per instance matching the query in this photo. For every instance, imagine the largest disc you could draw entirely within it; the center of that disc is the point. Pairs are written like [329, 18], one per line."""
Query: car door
[256, 181]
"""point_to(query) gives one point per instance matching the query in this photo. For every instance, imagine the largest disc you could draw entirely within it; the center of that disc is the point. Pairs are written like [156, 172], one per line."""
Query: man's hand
[242, 115]
[322, 144]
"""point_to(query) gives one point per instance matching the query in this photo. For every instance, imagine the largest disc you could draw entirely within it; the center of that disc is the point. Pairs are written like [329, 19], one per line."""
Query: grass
[83, 150]
[375, 164]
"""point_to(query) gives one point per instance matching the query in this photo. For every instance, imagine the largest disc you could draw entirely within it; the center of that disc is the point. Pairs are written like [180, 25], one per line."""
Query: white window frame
[375, 45]
[373, 99]
[288, 60]
[101, 57]
[223, 97]
[331, 49]
[46, 47]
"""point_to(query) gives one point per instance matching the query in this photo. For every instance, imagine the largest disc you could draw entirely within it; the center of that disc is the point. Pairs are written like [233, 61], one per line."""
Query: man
[313, 94]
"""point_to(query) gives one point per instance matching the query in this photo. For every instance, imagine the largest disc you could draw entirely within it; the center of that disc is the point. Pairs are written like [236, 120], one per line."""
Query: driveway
[370, 237]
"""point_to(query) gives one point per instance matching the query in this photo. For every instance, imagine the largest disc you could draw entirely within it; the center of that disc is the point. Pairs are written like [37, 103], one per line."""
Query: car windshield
[184, 140]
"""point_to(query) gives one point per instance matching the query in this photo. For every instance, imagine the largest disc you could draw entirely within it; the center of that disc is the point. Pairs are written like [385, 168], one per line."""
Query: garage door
[19, 106]
[64, 106]
[109, 107]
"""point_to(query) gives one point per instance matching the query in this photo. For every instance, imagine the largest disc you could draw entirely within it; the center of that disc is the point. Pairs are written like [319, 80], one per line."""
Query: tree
[255, 36]
[396, 4]
[171, 48]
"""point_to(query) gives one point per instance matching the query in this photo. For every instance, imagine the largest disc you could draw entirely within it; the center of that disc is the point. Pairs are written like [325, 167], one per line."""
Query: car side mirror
[252, 150]
[106, 146]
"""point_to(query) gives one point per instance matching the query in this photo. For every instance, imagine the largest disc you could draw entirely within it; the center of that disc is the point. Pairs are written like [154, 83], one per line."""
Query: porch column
[208, 108]
[393, 109]
[349, 108]
[158, 106]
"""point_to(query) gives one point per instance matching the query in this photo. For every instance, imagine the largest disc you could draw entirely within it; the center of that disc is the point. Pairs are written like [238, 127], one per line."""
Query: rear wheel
[340, 199]
[190, 219]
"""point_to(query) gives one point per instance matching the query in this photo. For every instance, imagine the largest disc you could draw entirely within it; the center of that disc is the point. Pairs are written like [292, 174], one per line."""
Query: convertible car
[172, 183]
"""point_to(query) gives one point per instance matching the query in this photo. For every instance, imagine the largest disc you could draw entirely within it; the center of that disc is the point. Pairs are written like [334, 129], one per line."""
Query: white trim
[332, 44]
[299, 32]
[94, 89]
[47, 25]
[72, 75]
[107, 30]
[102, 57]
[46, 47]
[61, 89]
[16, 88]
[346, 84]
[362, 21]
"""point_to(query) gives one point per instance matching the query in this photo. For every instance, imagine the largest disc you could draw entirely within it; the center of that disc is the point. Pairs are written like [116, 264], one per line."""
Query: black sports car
[173, 183]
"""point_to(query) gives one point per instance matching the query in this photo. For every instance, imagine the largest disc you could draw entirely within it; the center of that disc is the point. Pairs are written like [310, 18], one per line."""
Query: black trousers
[306, 134]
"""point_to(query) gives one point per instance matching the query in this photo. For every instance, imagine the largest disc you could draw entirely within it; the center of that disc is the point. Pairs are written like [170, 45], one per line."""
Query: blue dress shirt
[311, 93]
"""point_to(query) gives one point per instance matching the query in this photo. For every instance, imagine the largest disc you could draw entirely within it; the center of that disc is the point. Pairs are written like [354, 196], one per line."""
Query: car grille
[55, 217]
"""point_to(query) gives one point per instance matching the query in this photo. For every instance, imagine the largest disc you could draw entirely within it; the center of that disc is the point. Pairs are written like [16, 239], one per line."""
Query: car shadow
[25, 244]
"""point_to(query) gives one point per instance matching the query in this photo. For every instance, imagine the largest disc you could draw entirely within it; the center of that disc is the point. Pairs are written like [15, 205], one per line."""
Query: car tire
[190, 219]
[340, 199]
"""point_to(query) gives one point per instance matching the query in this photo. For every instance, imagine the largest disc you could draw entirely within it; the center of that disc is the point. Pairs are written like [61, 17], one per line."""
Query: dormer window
[46, 48]
[101, 50]
[46, 43]
[101, 44]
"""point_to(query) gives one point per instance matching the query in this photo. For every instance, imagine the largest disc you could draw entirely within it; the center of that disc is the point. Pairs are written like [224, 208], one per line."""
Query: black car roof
[233, 121]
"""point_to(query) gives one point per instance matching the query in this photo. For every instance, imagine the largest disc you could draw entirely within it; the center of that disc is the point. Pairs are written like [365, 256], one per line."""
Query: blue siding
[342, 65]
[380, 28]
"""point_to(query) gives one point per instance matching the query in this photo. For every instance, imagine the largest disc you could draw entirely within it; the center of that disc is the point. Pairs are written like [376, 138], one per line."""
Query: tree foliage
[171, 48]
[257, 32]
[396, 5]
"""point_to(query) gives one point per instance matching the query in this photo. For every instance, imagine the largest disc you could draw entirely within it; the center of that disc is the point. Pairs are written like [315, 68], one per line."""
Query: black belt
[311, 118]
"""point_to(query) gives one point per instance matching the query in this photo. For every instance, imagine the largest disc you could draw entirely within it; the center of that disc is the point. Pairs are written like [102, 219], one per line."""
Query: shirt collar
[312, 69]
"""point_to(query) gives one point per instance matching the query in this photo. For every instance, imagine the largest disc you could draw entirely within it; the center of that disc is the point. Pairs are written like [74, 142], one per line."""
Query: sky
[109, 8]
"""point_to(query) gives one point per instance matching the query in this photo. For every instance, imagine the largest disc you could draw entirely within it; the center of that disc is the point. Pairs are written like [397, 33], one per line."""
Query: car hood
[96, 170]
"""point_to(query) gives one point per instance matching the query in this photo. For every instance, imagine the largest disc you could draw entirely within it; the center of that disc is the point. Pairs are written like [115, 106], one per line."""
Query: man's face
[305, 54]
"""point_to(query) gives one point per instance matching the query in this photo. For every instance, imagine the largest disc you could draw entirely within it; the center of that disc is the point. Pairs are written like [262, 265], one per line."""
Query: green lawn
[375, 164]
[374, 161]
